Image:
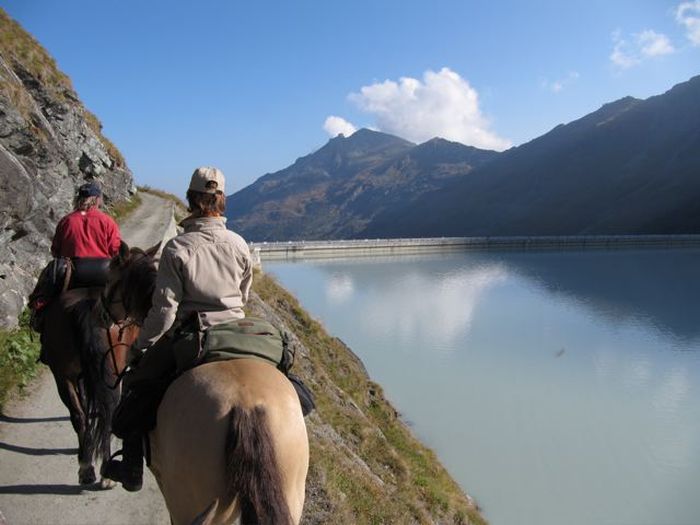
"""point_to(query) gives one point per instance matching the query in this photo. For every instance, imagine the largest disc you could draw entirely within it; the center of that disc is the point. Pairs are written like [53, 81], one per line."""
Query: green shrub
[19, 351]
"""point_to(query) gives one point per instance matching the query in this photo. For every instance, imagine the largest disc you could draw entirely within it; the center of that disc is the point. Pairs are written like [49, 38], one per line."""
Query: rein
[109, 321]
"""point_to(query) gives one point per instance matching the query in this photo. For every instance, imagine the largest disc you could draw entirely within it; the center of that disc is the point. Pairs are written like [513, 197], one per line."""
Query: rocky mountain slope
[336, 191]
[632, 167]
[49, 145]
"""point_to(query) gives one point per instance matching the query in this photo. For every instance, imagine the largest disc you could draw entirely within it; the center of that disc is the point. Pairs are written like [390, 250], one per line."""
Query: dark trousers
[157, 363]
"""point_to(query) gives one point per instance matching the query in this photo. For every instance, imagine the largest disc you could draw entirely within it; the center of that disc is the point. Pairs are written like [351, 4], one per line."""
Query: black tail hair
[99, 399]
[252, 472]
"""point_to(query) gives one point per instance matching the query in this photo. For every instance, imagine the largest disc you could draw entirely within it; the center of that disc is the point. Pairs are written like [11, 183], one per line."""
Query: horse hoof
[106, 484]
[87, 476]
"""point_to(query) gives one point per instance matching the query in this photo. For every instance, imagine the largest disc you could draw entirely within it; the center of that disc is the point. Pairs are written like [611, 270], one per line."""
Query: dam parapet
[366, 247]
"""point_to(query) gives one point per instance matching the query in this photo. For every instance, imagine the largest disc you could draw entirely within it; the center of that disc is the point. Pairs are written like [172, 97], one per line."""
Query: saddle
[61, 274]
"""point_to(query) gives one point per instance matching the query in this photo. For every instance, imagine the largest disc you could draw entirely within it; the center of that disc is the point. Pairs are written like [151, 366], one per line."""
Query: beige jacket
[207, 269]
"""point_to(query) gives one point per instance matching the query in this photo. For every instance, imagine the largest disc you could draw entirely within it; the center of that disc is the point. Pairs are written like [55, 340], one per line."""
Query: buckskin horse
[230, 441]
[86, 349]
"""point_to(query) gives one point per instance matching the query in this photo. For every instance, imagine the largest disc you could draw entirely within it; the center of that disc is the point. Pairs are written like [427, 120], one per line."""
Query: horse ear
[122, 255]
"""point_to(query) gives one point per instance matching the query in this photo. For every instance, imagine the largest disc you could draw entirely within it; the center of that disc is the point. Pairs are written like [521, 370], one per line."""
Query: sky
[251, 86]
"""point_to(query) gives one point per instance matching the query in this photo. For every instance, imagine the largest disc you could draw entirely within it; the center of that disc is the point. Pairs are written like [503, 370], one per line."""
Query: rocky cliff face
[49, 145]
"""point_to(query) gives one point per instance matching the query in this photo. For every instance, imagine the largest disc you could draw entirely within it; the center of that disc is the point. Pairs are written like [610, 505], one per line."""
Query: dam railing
[356, 247]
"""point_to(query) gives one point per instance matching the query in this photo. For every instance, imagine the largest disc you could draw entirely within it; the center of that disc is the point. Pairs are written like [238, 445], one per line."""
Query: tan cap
[207, 180]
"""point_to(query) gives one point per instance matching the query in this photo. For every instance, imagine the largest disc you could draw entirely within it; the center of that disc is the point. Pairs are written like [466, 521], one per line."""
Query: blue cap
[89, 189]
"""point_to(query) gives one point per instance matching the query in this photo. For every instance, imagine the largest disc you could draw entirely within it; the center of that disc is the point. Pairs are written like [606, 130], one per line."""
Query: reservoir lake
[558, 388]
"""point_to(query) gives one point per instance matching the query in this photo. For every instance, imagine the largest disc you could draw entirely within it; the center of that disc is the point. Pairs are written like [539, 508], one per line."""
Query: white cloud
[442, 104]
[647, 44]
[688, 15]
[556, 86]
[335, 125]
[653, 44]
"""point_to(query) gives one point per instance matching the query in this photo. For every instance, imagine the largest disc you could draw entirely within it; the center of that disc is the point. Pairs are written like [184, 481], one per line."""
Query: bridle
[109, 321]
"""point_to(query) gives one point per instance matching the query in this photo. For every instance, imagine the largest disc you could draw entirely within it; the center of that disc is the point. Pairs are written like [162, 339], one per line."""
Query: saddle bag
[250, 337]
[53, 280]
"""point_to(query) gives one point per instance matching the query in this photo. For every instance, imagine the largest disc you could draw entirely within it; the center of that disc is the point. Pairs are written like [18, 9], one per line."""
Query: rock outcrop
[49, 145]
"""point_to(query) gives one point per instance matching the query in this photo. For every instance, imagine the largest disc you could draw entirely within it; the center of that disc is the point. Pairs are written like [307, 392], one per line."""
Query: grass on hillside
[19, 350]
[120, 210]
[18, 45]
[418, 481]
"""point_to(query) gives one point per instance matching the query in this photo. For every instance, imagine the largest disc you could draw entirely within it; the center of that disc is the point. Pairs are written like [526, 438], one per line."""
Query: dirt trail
[38, 448]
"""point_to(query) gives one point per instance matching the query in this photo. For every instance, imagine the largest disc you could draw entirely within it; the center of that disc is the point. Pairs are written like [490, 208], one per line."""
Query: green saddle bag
[250, 337]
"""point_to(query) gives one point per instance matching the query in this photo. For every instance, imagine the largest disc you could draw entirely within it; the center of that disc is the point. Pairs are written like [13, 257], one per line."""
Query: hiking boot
[129, 475]
[129, 471]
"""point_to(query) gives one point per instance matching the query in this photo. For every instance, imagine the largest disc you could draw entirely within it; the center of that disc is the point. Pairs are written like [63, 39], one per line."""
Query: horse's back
[193, 424]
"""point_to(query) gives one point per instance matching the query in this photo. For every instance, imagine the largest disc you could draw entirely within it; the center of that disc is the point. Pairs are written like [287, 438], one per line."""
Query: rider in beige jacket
[205, 272]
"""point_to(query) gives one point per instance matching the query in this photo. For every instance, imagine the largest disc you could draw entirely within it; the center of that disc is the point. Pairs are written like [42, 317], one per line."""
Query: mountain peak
[364, 141]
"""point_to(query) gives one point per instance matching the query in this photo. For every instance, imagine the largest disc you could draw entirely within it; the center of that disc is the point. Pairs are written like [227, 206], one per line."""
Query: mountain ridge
[336, 190]
[629, 167]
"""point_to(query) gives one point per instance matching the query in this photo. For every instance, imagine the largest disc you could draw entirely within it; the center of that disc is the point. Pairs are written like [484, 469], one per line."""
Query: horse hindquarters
[208, 430]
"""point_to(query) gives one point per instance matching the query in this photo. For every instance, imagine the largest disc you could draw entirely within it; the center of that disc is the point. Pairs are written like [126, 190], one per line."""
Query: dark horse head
[130, 284]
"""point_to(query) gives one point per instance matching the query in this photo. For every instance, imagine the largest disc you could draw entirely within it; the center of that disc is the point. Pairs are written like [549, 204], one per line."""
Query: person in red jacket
[87, 232]
[85, 241]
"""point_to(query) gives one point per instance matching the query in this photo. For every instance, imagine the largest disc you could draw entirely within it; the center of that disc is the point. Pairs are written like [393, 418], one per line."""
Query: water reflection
[658, 288]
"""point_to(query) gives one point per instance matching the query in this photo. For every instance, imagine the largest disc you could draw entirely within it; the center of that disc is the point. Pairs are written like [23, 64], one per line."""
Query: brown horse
[86, 350]
[230, 442]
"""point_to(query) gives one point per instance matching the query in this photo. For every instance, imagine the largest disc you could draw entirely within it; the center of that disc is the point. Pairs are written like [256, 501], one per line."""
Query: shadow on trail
[38, 451]
[10, 419]
[56, 489]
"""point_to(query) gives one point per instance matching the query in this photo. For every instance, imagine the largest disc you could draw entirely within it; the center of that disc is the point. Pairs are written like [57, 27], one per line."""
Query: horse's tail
[99, 398]
[252, 472]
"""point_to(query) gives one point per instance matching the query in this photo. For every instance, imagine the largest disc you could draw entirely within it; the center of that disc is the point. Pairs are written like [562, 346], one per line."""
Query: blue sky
[250, 86]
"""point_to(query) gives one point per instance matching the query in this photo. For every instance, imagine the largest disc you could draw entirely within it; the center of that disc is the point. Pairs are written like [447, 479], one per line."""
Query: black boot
[129, 471]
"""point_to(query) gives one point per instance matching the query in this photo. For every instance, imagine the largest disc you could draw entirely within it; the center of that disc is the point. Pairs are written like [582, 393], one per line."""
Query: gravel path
[149, 222]
[38, 448]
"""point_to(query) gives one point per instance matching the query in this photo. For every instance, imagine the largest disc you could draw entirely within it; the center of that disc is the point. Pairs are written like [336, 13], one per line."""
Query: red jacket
[89, 233]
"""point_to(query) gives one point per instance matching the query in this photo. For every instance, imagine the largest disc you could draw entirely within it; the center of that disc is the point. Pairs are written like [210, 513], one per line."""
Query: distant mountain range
[338, 190]
[631, 167]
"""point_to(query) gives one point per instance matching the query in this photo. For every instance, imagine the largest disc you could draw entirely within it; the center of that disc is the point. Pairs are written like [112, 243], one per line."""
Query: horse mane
[138, 282]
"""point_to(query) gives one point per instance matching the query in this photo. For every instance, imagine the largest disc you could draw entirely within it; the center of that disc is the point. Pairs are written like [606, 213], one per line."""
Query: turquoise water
[556, 387]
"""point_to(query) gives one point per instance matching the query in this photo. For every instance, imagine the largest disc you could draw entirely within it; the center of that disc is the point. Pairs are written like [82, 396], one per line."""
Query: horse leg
[106, 453]
[69, 394]
[105, 448]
